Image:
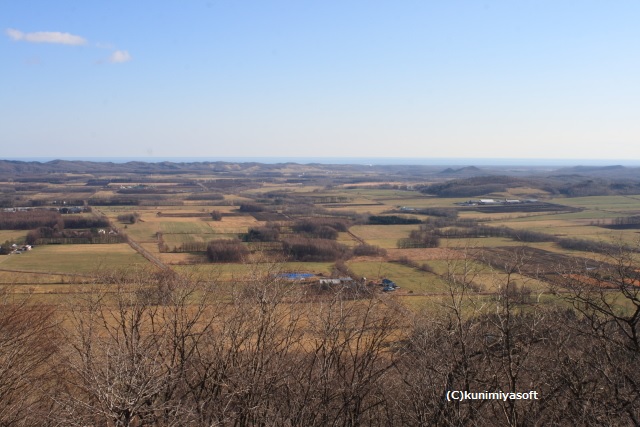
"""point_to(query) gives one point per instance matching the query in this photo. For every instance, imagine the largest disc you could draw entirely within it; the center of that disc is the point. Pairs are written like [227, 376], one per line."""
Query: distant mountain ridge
[465, 171]
[613, 171]
[13, 168]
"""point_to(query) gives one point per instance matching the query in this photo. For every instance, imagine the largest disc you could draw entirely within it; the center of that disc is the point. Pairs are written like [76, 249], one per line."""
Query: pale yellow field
[385, 236]
[480, 242]
[234, 224]
[496, 281]
[370, 209]
[30, 279]
[181, 258]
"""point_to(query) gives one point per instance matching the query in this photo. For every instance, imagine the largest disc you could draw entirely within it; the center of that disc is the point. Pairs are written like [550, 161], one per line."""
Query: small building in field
[336, 281]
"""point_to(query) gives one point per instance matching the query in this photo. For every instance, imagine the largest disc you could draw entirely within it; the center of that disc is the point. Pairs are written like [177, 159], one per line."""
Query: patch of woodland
[421, 238]
[437, 212]
[573, 185]
[320, 227]
[26, 220]
[226, 250]
[392, 220]
[129, 218]
[81, 221]
[365, 249]
[49, 236]
[113, 201]
[621, 223]
[314, 250]
[250, 207]
[268, 233]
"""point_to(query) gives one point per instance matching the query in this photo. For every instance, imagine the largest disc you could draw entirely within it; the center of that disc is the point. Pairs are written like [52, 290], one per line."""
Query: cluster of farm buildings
[309, 278]
[63, 210]
[14, 249]
[495, 202]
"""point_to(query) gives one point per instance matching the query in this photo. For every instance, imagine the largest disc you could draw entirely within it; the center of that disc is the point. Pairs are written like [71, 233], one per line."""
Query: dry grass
[385, 236]
[233, 224]
[425, 254]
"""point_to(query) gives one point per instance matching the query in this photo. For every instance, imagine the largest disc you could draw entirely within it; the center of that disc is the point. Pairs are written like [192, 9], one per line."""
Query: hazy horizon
[379, 161]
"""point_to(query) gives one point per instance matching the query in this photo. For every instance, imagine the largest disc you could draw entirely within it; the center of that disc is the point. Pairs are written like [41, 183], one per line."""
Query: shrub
[321, 228]
[368, 250]
[420, 239]
[262, 234]
[131, 218]
[392, 219]
[251, 207]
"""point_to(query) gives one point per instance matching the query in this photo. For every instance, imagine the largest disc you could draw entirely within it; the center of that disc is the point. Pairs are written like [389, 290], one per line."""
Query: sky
[411, 79]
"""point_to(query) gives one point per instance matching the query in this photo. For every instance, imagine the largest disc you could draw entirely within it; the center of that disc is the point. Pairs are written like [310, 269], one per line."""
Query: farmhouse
[336, 281]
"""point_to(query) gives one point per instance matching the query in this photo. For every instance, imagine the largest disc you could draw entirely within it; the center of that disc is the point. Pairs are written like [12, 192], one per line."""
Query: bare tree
[607, 300]
[131, 345]
[29, 339]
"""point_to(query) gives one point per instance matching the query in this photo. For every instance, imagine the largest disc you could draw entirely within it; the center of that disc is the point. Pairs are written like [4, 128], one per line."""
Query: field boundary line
[362, 242]
[148, 255]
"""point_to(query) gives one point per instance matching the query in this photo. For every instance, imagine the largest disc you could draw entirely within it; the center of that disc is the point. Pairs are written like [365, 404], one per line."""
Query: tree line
[27, 220]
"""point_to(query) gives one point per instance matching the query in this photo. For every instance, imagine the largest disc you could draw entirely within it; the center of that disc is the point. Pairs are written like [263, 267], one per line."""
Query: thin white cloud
[46, 37]
[120, 56]
[116, 57]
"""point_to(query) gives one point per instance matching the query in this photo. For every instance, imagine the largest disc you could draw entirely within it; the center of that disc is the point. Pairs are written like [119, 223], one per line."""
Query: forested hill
[574, 185]
[468, 181]
[14, 167]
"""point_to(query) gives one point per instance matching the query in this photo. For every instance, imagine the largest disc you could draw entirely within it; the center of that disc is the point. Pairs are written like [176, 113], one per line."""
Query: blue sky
[423, 79]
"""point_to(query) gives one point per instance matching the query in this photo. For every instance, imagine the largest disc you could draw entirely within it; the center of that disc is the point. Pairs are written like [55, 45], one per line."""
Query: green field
[409, 279]
[12, 235]
[81, 259]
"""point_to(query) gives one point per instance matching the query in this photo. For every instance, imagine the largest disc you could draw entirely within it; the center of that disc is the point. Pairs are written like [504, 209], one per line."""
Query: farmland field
[385, 236]
[409, 279]
[17, 235]
[74, 259]
[620, 204]
[173, 211]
